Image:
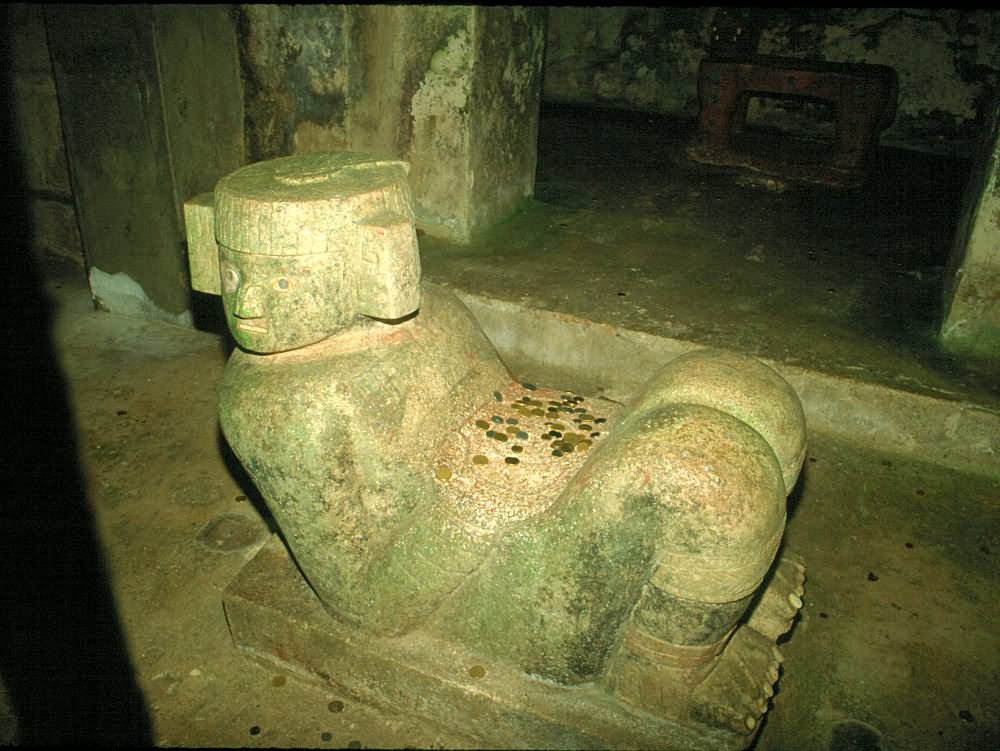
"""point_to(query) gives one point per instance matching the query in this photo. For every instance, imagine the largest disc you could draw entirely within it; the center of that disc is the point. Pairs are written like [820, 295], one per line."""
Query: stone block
[203, 254]
[275, 617]
[39, 134]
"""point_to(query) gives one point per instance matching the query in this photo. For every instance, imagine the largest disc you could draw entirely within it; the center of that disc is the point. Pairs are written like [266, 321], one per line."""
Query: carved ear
[388, 270]
[203, 253]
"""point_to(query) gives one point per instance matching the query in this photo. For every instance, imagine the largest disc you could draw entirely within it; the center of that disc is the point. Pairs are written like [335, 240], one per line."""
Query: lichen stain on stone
[323, 82]
[311, 137]
[293, 62]
[446, 85]
[640, 57]
[920, 51]
[518, 73]
[440, 115]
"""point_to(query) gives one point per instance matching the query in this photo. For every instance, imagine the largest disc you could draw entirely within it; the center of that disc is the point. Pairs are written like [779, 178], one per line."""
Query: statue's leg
[683, 651]
[753, 392]
[686, 649]
[643, 570]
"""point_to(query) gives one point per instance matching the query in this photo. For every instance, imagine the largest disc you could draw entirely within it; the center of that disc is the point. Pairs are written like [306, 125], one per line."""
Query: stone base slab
[275, 617]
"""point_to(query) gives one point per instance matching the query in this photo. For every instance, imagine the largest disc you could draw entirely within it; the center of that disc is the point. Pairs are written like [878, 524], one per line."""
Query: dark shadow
[245, 483]
[795, 496]
[208, 315]
[63, 657]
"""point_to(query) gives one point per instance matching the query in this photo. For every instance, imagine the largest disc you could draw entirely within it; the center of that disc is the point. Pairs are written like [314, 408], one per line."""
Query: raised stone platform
[275, 617]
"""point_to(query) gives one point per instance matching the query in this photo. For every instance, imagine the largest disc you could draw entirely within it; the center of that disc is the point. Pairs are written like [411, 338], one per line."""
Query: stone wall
[453, 90]
[647, 59]
[151, 112]
[39, 145]
[294, 62]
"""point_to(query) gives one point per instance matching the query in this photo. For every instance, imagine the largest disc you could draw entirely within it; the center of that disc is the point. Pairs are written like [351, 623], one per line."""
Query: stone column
[971, 323]
[470, 121]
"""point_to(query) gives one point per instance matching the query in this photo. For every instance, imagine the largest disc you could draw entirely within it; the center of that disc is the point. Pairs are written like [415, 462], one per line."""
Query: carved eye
[282, 283]
[230, 279]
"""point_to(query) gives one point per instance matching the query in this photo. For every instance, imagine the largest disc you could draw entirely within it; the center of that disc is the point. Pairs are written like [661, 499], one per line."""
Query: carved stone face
[280, 303]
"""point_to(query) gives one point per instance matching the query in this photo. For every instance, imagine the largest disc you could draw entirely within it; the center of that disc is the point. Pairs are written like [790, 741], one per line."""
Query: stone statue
[418, 486]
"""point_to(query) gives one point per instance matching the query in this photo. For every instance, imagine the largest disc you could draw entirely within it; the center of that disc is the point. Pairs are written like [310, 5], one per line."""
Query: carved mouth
[254, 326]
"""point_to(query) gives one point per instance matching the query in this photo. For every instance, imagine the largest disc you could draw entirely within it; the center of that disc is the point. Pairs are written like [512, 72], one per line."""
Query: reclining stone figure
[419, 486]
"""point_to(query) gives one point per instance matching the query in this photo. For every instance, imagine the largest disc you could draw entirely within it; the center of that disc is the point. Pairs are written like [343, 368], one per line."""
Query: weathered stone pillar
[473, 113]
[971, 323]
[151, 107]
[453, 90]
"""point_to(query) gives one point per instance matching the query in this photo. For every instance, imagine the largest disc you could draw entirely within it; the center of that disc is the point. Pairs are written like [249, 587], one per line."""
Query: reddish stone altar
[863, 96]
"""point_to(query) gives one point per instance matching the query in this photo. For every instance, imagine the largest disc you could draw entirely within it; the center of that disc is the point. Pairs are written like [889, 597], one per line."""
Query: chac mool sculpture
[632, 550]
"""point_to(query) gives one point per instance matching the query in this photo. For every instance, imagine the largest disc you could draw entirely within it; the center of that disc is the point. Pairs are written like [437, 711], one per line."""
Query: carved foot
[735, 693]
[774, 613]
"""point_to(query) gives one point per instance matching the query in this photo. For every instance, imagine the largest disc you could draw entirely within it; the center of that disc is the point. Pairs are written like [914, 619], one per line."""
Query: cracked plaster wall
[645, 58]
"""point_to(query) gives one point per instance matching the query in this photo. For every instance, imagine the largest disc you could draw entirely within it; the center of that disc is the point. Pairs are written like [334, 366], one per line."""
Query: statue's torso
[340, 437]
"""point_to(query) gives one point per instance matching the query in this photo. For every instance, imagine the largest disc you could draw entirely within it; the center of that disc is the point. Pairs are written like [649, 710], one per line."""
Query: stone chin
[254, 336]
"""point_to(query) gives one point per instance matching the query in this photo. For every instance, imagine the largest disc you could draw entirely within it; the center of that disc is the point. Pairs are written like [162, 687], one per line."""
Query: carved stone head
[295, 262]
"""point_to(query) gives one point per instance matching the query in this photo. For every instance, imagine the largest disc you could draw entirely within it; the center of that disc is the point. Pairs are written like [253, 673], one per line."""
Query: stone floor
[134, 517]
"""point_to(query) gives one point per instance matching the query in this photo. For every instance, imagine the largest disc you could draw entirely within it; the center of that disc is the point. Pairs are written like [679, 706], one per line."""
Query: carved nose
[248, 302]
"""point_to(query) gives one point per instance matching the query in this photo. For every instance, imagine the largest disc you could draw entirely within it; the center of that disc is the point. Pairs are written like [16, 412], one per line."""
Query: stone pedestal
[275, 617]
